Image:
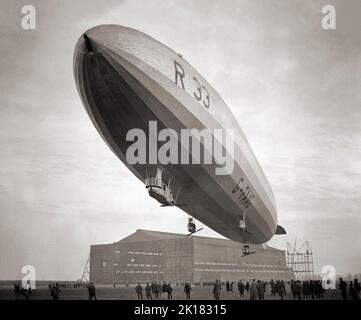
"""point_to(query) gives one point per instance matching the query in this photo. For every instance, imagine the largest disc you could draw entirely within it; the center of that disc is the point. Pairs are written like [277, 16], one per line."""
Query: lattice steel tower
[300, 261]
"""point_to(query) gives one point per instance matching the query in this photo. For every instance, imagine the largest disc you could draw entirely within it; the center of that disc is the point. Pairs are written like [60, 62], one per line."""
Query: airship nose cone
[95, 39]
[87, 44]
[84, 46]
[100, 35]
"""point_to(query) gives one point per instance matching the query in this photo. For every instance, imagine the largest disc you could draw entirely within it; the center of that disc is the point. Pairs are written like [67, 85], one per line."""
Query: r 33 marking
[201, 93]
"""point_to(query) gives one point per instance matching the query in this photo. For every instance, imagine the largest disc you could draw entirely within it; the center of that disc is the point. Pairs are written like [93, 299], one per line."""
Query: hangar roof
[149, 235]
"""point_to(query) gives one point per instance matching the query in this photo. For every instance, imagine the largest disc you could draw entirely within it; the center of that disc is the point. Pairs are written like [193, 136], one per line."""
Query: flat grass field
[123, 293]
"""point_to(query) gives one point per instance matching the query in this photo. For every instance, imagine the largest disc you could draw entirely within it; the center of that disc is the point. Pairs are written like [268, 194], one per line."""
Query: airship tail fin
[280, 230]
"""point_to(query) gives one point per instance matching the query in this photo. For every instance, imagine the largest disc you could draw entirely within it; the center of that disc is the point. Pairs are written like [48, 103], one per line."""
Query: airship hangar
[147, 256]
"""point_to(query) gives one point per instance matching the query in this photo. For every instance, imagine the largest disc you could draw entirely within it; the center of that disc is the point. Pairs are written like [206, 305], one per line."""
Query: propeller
[194, 232]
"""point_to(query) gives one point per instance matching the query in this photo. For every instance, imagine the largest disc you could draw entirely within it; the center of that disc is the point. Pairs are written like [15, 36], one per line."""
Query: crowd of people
[307, 289]
[311, 289]
[354, 289]
[253, 290]
[159, 291]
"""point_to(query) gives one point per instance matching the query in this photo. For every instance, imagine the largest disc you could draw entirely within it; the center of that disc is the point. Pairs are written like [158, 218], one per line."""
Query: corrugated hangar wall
[147, 256]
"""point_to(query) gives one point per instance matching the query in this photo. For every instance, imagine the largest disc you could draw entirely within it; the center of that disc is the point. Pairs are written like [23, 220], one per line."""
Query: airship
[129, 81]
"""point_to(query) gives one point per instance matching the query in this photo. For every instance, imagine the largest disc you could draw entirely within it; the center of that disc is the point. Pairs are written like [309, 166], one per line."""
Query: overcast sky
[294, 88]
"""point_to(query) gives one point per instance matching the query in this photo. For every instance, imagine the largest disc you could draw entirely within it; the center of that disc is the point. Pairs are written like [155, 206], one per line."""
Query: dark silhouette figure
[247, 287]
[187, 290]
[357, 289]
[55, 291]
[253, 290]
[19, 290]
[139, 291]
[91, 291]
[281, 289]
[148, 291]
[298, 290]
[241, 287]
[169, 291]
[154, 288]
[260, 289]
[352, 292]
[343, 288]
[217, 290]
[273, 291]
[164, 290]
[159, 290]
